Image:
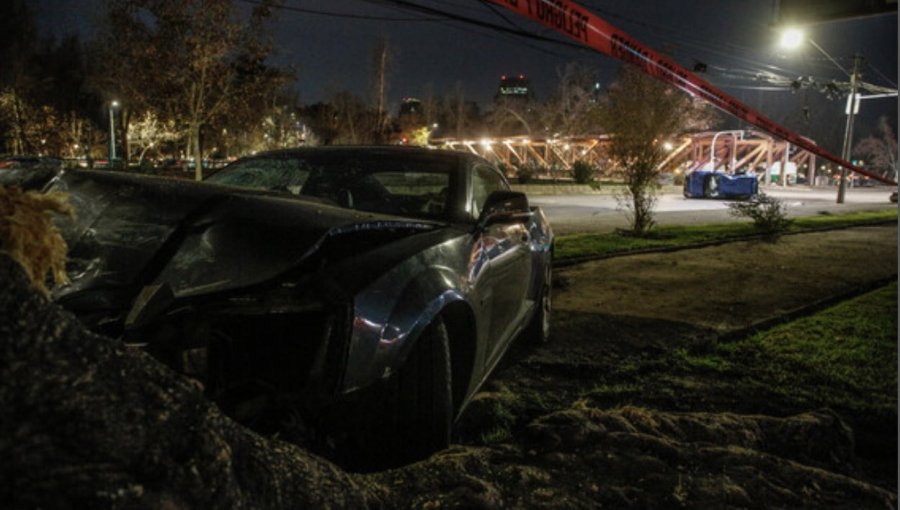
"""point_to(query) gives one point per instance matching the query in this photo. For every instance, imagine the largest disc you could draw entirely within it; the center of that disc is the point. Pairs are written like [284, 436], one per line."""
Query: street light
[112, 133]
[792, 38]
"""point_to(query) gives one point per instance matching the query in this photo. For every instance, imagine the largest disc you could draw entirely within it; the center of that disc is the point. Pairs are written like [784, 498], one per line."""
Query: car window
[413, 185]
[271, 174]
[485, 180]
[428, 189]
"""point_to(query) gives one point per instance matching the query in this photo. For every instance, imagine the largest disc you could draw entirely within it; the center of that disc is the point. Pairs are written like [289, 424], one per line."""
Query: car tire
[711, 187]
[538, 330]
[424, 399]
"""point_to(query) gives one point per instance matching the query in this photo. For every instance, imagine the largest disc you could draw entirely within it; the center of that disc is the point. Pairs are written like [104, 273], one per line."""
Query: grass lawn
[586, 245]
[844, 357]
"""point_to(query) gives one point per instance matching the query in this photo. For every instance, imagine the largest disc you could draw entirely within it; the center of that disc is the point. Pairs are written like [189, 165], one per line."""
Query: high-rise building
[514, 87]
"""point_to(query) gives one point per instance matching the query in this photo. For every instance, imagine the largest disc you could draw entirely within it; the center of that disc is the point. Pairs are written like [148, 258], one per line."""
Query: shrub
[583, 172]
[768, 213]
[525, 174]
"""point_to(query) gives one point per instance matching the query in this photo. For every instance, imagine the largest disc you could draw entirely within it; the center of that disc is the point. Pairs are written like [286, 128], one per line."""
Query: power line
[334, 14]
[879, 73]
[477, 22]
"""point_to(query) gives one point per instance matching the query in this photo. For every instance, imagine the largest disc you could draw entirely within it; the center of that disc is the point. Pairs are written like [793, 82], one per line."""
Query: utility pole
[848, 130]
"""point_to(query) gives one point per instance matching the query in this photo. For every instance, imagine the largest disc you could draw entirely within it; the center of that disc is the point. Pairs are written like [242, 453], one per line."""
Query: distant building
[410, 107]
[514, 88]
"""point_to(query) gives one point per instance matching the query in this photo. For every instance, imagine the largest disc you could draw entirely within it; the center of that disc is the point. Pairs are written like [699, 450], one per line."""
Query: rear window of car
[412, 184]
[275, 174]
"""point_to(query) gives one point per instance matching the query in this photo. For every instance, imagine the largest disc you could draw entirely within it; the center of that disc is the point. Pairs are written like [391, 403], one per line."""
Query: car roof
[382, 150]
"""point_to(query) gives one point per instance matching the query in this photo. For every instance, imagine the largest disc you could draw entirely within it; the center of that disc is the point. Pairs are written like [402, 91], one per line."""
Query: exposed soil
[734, 285]
[602, 417]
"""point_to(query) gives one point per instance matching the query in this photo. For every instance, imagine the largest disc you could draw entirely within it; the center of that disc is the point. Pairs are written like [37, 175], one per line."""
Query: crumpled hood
[133, 231]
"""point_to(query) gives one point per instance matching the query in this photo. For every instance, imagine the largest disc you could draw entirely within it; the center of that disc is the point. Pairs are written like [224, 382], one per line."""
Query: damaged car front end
[369, 291]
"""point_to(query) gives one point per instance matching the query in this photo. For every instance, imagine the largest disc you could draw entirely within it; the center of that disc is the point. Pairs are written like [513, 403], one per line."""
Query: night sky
[733, 38]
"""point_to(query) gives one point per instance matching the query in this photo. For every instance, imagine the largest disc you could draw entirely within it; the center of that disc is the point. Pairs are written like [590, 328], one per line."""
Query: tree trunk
[126, 145]
[195, 151]
[19, 137]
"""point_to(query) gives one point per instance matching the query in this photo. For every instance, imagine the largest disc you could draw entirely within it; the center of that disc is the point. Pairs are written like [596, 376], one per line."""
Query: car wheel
[711, 188]
[538, 330]
[424, 396]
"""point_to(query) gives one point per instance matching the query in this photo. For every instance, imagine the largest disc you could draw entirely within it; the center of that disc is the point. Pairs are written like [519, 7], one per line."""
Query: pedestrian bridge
[727, 151]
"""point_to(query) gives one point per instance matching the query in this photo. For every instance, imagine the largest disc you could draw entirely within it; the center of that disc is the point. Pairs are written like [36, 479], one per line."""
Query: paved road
[599, 213]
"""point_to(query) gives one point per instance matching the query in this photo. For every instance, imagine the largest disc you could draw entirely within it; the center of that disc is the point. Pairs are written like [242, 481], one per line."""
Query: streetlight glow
[112, 133]
[792, 38]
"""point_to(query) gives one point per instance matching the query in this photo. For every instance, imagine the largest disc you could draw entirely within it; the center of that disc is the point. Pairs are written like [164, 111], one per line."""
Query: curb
[803, 311]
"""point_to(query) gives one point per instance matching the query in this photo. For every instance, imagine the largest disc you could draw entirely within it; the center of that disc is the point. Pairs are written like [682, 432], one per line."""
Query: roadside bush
[768, 213]
[583, 172]
[525, 174]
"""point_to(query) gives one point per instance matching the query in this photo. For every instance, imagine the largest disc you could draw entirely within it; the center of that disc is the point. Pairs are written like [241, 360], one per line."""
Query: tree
[149, 132]
[382, 64]
[195, 61]
[461, 116]
[639, 113]
[42, 86]
[353, 122]
[572, 109]
[880, 150]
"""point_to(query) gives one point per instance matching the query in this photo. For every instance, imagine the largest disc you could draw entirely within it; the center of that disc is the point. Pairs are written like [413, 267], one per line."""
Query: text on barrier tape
[575, 21]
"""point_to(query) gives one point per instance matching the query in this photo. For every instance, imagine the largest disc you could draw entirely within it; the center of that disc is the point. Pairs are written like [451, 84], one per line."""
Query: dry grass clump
[28, 235]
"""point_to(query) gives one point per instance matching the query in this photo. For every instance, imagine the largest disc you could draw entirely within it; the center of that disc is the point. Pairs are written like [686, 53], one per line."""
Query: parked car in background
[370, 290]
[26, 162]
[707, 184]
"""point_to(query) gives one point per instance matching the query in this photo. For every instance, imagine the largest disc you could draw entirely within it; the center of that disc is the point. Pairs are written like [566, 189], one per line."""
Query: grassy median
[589, 245]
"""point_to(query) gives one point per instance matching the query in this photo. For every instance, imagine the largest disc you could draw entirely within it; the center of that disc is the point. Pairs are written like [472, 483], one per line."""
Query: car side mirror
[504, 207]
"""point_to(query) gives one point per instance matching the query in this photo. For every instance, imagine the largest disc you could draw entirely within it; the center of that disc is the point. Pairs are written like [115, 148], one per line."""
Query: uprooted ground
[623, 409]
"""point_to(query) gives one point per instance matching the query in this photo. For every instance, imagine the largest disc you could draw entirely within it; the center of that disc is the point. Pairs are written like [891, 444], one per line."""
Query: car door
[507, 266]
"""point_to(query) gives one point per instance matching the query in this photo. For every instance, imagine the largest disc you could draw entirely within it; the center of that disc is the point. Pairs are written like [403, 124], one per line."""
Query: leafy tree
[148, 132]
[193, 61]
[880, 150]
[640, 112]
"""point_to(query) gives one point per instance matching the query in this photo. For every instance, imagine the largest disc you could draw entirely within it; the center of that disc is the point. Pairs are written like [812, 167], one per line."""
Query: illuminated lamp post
[112, 133]
[792, 38]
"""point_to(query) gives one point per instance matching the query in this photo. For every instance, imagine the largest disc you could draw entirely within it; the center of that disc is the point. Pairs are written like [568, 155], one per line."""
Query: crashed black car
[369, 289]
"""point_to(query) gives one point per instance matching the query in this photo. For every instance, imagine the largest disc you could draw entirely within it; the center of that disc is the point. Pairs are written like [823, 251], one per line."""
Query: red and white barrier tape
[575, 21]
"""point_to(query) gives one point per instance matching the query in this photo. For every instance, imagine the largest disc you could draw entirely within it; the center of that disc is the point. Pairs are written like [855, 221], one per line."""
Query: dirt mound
[584, 457]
